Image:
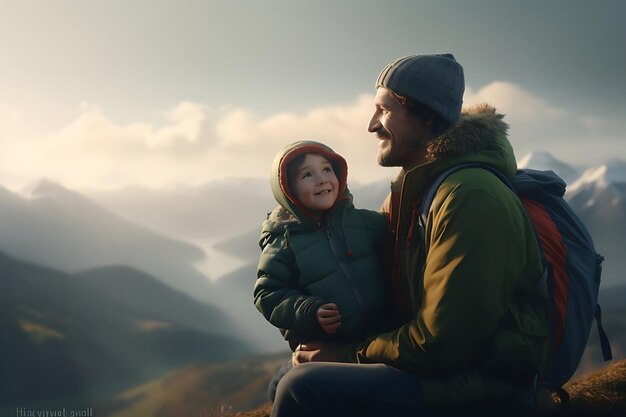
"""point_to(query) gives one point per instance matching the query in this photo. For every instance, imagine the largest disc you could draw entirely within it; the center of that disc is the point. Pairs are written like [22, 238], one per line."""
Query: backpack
[572, 268]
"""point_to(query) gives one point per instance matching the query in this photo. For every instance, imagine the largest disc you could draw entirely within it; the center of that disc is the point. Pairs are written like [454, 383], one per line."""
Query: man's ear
[430, 123]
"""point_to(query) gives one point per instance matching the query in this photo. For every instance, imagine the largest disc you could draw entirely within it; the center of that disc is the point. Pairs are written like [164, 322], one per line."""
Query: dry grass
[200, 390]
[263, 411]
[601, 393]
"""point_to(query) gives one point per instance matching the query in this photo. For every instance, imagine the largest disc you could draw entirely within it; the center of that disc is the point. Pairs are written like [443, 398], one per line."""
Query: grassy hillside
[70, 340]
[137, 291]
[207, 390]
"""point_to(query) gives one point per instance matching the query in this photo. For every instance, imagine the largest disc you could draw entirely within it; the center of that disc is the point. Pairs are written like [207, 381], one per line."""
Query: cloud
[9, 115]
[94, 131]
[246, 143]
[512, 100]
[187, 124]
[193, 143]
[537, 125]
[11, 118]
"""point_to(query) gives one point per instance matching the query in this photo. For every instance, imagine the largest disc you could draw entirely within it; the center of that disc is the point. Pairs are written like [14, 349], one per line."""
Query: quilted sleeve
[277, 296]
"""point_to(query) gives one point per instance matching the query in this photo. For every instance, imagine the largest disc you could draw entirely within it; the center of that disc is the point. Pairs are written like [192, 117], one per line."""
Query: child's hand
[328, 317]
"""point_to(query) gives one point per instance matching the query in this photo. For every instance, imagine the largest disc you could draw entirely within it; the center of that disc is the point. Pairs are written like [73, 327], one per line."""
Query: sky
[166, 93]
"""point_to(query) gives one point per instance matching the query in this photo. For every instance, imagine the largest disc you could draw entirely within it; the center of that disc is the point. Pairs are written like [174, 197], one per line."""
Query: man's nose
[374, 124]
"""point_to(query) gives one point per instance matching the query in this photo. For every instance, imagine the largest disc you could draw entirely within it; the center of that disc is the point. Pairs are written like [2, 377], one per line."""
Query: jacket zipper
[411, 299]
[344, 267]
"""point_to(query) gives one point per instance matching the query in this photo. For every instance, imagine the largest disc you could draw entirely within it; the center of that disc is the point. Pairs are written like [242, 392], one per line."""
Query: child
[319, 273]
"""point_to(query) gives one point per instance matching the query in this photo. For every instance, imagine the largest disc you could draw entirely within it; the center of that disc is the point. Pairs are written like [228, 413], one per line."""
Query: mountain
[203, 215]
[53, 226]
[78, 337]
[608, 181]
[134, 290]
[542, 160]
[64, 230]
[599, 198]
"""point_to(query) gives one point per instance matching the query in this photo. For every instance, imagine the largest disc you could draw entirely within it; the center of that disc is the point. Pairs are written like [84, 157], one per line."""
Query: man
[466, 333]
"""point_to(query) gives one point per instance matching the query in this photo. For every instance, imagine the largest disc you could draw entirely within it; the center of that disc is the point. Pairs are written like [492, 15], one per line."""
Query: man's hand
[329, 318]
[315, 352]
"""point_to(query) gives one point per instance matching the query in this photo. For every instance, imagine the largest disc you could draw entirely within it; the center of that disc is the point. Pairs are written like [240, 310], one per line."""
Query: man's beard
[385, 157]
[388, 158]
[393, 155]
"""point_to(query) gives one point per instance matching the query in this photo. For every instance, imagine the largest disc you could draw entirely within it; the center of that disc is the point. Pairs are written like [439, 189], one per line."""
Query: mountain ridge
[62, 229]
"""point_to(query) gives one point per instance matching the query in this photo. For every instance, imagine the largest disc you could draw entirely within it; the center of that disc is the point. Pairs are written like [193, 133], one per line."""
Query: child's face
[315, 184]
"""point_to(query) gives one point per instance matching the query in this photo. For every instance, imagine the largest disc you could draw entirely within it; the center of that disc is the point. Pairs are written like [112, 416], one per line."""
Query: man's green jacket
[469, 330]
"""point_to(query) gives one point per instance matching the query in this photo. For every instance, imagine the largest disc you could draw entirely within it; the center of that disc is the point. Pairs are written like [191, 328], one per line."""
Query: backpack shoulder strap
[429, 194]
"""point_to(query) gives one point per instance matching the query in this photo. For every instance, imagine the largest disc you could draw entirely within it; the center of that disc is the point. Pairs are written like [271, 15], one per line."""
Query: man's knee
[303, 382]
[304, 391]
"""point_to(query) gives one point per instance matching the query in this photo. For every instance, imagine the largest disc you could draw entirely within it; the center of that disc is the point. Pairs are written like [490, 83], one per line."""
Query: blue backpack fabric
[572, 267]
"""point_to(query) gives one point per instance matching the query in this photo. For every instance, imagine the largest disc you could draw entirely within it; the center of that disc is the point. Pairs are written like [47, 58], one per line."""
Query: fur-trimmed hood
[479, 127]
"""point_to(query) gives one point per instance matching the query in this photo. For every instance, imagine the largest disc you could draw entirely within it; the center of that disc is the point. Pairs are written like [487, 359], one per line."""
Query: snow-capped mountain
[610, 175]
[601, 190]
[545, 161]
[599, 198]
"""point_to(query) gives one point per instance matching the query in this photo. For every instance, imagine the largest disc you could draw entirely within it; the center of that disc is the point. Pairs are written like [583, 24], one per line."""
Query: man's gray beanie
[436, 81]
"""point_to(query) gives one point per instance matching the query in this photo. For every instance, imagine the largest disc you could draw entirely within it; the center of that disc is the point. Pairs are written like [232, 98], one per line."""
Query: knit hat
[436, 81]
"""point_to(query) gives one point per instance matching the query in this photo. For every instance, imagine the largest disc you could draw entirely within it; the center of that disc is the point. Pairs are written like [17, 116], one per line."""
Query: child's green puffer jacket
[307, 262]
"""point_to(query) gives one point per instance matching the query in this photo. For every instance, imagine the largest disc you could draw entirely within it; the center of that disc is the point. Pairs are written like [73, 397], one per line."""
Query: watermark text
[58, 412]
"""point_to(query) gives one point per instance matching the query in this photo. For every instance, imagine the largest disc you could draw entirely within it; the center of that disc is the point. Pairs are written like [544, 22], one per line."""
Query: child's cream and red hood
[279, 180]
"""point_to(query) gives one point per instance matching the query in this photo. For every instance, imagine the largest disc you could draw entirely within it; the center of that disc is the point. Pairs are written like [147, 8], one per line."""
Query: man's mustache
[382, 133]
